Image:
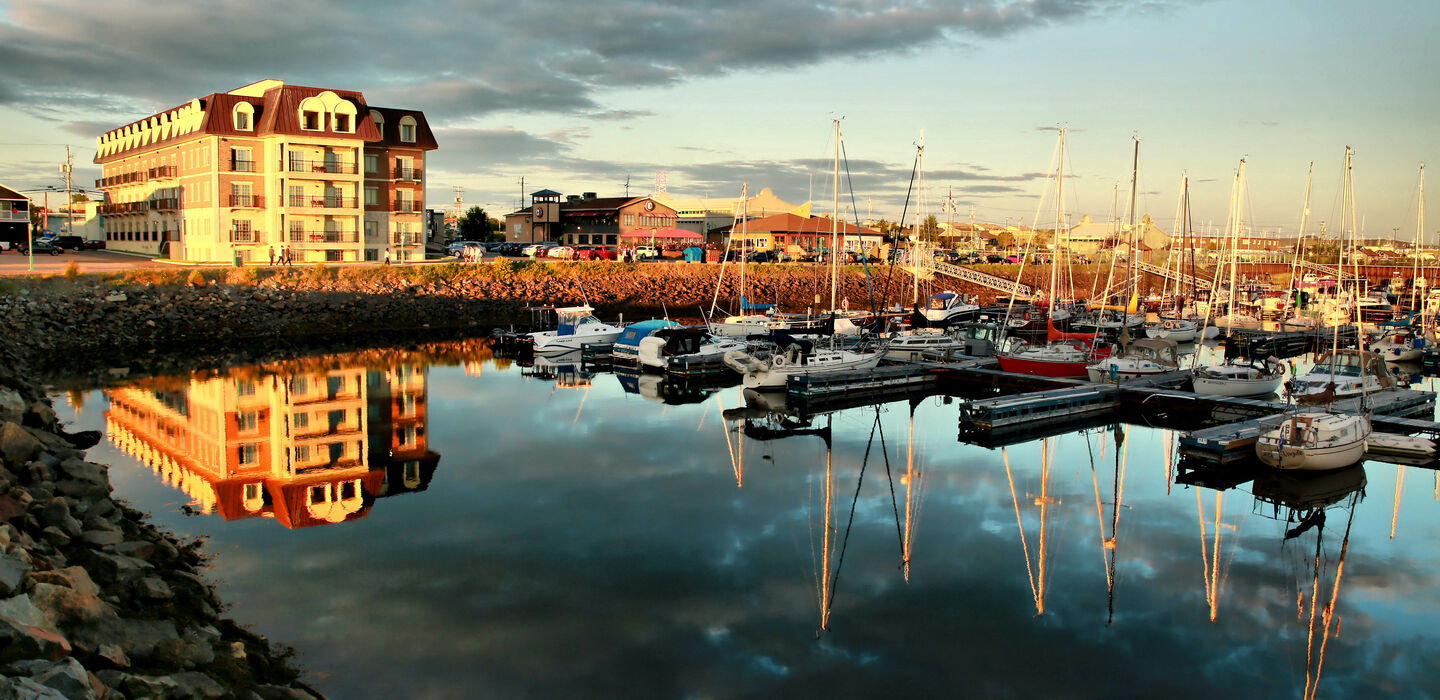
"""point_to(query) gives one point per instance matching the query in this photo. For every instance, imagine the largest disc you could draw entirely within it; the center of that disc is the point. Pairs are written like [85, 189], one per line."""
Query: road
[12, 263]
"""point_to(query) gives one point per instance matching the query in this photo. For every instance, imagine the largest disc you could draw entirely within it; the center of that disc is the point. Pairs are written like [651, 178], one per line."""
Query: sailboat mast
[1415, 251]
[1130, 282]
[917, 250]
[835, 222]
[1236, 195]
[1059, 216]
[1304, 218]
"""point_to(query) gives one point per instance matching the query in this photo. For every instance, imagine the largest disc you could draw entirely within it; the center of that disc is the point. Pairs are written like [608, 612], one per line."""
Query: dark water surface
[472, 528]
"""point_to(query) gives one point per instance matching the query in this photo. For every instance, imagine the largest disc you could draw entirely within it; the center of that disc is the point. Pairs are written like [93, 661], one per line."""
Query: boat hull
[1236, 387]
[1309, 459]
[773, 376]
[1043, 368]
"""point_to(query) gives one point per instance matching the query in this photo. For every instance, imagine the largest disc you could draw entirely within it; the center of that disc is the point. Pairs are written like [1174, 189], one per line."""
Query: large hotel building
[264, 168]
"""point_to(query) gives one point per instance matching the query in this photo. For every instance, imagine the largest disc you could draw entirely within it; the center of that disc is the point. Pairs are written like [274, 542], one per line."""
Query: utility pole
[69, 206]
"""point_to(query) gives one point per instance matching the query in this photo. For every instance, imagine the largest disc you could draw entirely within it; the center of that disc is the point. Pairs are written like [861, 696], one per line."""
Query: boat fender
[1171, 325]
[780, 361]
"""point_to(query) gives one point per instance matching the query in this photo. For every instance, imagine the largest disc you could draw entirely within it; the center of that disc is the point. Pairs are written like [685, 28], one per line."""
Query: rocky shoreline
[95, 602]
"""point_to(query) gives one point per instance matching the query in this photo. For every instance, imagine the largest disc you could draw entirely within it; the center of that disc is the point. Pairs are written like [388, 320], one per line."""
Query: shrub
[72, 270]
[196, 279]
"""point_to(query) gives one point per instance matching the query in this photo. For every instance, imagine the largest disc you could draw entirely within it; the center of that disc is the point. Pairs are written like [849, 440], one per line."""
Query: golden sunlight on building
[306, 442]
[264, 169]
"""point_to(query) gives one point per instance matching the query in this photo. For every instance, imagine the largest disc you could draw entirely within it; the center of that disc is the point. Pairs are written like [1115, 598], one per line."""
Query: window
[342, 123]
[372, 163]
[249, 453]
[243, 113]
[302, 453]
[629, 219]
[347, 490]
[379, 123]
[252, 491]
[372, 229]
[318, 495]
[244, 387]
[333, 256]
[297, 161]
[372, 254]
[301, 420]
[372, 196]
[407, 129]
[240, 161]
[310, 120]
[247, 420]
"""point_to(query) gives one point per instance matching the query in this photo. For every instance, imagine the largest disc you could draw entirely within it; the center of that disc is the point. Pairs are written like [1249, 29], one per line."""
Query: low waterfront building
[704, 214]
[267, 167]
[1091, 237]
[14, 216]
[799, 235]
[585, 219]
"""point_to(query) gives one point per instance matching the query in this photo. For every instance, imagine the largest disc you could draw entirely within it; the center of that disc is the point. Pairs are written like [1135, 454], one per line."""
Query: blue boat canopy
[634, 332]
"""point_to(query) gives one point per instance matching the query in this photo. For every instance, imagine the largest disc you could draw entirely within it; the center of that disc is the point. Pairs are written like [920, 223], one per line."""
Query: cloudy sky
[583, 96]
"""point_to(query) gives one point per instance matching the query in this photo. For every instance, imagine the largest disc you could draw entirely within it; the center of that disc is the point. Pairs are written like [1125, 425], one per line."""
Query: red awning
[660, 233]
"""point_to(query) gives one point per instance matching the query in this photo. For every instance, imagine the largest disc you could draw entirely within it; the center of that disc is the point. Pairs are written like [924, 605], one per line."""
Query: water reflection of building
[305, 442]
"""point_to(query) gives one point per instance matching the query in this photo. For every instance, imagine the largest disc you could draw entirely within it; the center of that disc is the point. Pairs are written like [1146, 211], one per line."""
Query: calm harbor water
[455, 525]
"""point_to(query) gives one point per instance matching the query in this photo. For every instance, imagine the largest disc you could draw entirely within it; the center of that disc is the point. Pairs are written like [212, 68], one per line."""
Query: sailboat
[1324, 439]
[770, 369]
[1067, 354]
[1179, 327]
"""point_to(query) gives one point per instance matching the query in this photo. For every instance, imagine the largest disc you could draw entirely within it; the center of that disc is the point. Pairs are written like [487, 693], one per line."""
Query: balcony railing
[245, 200]
[114, 208]
[303, 236]
[162, 172]
[6, 215]
[327, 202]
[406, 206]
[121, 179]
[242, 166]
[320, 166]
[165, 204]
[244, 236]
[404, 173]
[411, 238]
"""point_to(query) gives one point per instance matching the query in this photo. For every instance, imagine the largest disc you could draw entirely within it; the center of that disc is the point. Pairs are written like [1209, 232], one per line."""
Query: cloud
[464, 59]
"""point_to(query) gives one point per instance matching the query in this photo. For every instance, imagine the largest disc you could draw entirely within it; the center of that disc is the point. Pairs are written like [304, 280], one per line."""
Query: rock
[39, 414]
[113, 654]
[68, 677]
[57, 513]
[115, 298]
[153, 588]
[146, 686]
[139, 549]
[55, 536]
[27, 689]
[280, 692]
[9, 508]
[137, 639]
[188, 651]
[193, 684]
[12, 571]
[69, 606]
[22, 641]
[85, 439]
[12, 406]
[17, 445]
[101, 538]
[71, 577]
[106, 568]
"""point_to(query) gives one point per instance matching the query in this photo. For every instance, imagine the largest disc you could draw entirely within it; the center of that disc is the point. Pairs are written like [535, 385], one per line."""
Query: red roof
[660, 233]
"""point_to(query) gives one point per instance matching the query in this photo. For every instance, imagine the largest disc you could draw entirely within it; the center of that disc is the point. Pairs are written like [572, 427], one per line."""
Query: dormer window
[342, 123]
[379, 122]
[244, 117]
[310, 120]
[407, 130]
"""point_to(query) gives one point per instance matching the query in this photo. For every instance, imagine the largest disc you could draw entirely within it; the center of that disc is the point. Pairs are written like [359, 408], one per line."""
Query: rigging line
[835, 581]
[855, 212]
[1024, 548]
[894, 505]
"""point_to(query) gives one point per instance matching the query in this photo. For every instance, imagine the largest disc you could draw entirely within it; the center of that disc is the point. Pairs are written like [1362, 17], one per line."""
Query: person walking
[387, 255]
[272, 256]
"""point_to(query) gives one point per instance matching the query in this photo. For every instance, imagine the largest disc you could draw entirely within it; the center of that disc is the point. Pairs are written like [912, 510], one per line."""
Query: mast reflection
[306, 442]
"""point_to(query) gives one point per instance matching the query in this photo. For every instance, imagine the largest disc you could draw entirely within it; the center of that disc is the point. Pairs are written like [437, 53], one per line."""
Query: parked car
[93, 244]
[70, 242]
[560, 252]
[454, 248]
[595, 252]
[646, 252]
[40, 246]
[764, 256]
[538, 250]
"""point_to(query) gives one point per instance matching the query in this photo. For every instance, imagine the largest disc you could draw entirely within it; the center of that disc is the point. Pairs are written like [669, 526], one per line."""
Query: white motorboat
[676, 347]
[915, 344]
[627, 346]
[1342, 374]
[949, 307]
[1238, 378]
[1315, 440]
[577, 327]
[1399, 342]
[769, 370]
[1143, 358]
[1180, 330]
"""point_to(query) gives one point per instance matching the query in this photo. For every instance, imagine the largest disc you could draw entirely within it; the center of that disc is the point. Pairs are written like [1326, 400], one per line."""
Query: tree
[79, 197]
[1005, 239]
[474, 225]
[930, 229]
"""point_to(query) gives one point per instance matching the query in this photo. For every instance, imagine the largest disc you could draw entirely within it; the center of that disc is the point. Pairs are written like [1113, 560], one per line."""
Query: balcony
[327, 202]
[303, 236]
[122, 179]
[244, 236]
[252, 201]
[404, 173]
[242, 166]
[406, 206]
[117, 208]
[411, 238]
[321, 166]
[164, 172]
[166, 204]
